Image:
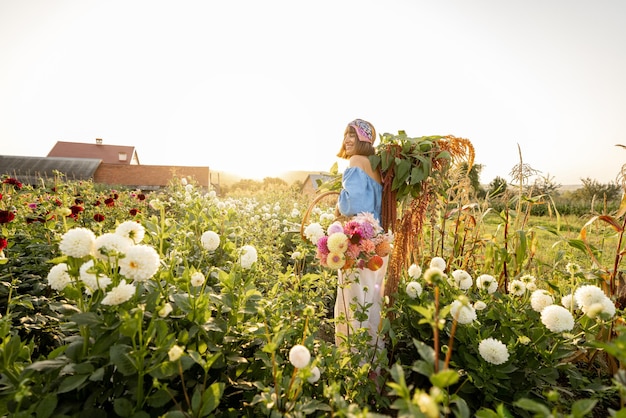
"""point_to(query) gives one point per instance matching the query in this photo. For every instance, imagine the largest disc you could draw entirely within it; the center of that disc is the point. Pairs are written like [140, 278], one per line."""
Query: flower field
[181, 303]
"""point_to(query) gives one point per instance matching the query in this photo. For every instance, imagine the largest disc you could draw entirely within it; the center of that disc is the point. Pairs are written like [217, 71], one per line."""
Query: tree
[474, 177]
[546, 186]
[497, 187]
[593, 190]
[268, 182]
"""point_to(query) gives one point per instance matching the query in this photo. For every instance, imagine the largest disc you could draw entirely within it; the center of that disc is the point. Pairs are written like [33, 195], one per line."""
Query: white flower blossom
[91, 280]
[165, 310]
[140, 263]
[493, 351]
[415, 271]
[58, 277]
[528, 278]
[539, 299]
[434, 275]
[326, 218]
[175, 353]
[479, 305]
[487, 282]
[210, 240]
[572, 268]
[110, 246]
[313, 232]
[462, 312]
[248, 256]
[517, 287]
[131, 230]
[557, 319]
[413, 290]
[428, 405]
[156, 204]
[438, 263]
[588, 295]
[604, 308]
[315, 375]
[299, 356]
[569, 302]
[119, 294]
[197, 279]
[462, 279]
[77, 242]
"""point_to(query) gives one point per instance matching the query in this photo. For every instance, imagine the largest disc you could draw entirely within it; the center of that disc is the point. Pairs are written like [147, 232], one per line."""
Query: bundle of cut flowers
[358, 242]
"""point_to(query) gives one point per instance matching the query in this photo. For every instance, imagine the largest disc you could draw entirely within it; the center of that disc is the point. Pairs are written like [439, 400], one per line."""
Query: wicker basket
[315, 201]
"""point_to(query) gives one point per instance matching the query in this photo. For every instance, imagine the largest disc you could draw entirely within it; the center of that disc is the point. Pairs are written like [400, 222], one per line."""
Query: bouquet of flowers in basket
[358, 242]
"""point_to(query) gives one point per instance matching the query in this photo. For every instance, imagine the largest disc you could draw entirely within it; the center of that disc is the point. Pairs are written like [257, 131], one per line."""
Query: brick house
[109, 154]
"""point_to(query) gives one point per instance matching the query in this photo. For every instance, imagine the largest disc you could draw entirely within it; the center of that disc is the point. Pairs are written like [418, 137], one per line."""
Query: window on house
[122, 156]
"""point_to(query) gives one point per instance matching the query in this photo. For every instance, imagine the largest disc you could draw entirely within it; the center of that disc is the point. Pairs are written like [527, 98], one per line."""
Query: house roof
[30, 169]
[109, 154]
[317, 179]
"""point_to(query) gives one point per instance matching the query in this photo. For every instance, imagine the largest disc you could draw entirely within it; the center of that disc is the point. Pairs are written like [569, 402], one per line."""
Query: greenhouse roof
[31, 169]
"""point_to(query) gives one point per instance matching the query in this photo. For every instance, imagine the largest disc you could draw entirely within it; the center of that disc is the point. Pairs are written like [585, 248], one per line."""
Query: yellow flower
[427, 405]
[337, 243]
[335, 261]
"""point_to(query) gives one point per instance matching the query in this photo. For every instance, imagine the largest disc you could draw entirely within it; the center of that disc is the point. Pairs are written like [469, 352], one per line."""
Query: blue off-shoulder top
[359, 193]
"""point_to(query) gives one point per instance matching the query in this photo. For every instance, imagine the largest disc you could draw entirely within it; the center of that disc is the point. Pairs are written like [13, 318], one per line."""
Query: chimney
[99, 141]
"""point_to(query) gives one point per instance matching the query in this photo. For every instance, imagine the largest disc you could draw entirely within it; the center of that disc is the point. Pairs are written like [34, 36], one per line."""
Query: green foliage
[221, 348]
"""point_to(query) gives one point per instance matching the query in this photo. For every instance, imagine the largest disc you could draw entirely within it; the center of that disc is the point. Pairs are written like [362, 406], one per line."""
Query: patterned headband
[363, 130]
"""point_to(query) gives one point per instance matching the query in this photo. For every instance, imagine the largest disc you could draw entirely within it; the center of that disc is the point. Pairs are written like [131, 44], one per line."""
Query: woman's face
[349, 142]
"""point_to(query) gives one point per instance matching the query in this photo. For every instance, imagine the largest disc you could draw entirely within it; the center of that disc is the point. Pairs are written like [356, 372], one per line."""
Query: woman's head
[358, 139]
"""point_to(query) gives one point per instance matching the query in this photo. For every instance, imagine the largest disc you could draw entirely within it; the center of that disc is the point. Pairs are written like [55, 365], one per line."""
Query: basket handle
[305, 218]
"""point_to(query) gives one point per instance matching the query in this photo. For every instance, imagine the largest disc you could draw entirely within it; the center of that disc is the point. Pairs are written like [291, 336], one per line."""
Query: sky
[260, 87]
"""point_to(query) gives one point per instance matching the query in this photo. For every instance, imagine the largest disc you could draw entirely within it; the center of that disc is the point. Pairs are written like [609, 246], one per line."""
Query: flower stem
[436, 329]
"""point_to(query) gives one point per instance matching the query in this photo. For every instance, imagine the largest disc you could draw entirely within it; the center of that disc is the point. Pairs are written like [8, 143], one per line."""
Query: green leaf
[46, 406]
[70, 383]
[211, 398]
[86, 318]
[425, 351]
[160, 398]
[47, 365]
[444, 378]
[123, 407]
[424, 368]
[97, 375]
[578, 244]
[182, 301]
[120, 357]
[581, 408]
[374, 160]
[443, 155]
[417, 175]
[403, 168]
[175, 414]
[164, 370]
[458, 403]
[533, 406]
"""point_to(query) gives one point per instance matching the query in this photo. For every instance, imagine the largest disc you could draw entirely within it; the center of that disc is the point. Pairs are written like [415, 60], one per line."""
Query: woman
[361, 192]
